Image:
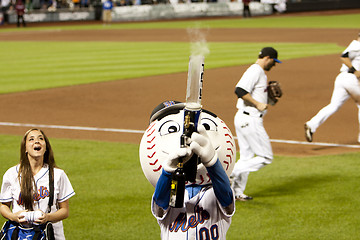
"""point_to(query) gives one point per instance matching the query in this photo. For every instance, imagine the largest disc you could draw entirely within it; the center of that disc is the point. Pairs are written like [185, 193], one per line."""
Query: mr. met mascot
[208, 201]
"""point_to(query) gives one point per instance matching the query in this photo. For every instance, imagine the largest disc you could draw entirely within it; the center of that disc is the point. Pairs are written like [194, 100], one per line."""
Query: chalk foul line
[69, 127]
[78, 128]
[315, 143]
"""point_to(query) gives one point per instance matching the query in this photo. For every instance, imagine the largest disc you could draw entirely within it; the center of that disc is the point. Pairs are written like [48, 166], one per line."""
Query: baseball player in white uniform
[346, 85]
[252, 104]
[12, 205]
[209, 201]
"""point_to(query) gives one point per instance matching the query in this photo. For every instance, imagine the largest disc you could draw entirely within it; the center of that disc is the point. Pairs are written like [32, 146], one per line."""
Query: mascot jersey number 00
[209, 202]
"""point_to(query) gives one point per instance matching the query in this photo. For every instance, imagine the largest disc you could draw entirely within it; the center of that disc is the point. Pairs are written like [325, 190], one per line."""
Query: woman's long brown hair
[26, 178]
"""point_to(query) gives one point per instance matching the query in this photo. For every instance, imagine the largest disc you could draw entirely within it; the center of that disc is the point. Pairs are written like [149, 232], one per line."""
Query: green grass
[112, 194]
[333, 21]
[42, 65]
[294, 198]
[302, 198]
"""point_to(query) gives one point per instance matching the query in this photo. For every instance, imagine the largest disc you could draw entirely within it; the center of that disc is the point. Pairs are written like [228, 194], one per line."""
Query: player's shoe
[243, 198]
[308, 133]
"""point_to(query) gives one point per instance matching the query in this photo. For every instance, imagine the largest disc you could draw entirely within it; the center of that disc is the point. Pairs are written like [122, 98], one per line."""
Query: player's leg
[251, 132]
[108, 14]
[238, 177]
[254, 164]
[352, 85]
[239, 185]
[258, 148]
[243, 124]
[23, 20]
[338, 98]
[104, 16]
[259, 142]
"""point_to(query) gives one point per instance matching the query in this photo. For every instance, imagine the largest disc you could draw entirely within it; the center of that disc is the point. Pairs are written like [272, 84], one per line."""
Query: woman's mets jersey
[63, 190]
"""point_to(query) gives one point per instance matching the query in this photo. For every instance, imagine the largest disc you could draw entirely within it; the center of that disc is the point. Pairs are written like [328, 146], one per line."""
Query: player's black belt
[253, 114]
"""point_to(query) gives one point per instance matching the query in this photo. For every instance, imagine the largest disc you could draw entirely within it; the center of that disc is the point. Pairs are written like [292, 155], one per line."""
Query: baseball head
[163, 136]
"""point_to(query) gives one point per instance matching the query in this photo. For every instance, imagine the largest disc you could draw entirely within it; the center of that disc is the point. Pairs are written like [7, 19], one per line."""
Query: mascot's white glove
[170, 164]
[201, 145]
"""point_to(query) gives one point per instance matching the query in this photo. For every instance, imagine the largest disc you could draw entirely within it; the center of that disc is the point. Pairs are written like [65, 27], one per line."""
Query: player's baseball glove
[274, 92]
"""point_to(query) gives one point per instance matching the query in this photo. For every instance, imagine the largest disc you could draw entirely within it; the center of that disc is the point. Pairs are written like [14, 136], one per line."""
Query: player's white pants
[346, 85]
[255, 149]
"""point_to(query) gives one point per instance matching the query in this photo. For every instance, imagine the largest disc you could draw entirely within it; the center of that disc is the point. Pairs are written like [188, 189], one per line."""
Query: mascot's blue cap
[166, 108]
[170, 107]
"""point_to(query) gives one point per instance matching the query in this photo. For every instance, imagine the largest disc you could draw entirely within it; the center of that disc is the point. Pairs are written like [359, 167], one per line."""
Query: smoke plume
[198, 44]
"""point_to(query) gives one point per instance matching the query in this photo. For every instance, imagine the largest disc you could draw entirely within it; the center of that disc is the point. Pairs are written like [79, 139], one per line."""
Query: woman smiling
[36, 191]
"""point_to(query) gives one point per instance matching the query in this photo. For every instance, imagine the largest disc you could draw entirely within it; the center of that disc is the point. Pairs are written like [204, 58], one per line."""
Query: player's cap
[271, 52]
[166, 108]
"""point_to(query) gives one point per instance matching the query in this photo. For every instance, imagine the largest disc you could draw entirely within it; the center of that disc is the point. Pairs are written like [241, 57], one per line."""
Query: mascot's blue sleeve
[162, 190]
[221, 184]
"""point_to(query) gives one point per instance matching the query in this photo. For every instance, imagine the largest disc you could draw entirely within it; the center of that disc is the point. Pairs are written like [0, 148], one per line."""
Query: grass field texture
[56, 64]
[295, 198]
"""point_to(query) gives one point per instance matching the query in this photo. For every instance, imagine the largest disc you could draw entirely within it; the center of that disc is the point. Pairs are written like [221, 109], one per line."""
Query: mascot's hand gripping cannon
[182, 142]
[192, 112]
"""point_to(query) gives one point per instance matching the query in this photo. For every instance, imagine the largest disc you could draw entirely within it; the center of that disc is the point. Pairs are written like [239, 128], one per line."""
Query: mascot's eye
[169, 127]
[209, 124]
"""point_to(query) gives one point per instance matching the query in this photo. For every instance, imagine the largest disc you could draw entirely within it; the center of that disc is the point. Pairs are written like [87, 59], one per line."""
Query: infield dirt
[126, 104]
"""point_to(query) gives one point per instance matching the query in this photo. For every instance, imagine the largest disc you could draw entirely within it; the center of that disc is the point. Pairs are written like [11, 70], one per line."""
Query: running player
[346, 85]
[254, 143]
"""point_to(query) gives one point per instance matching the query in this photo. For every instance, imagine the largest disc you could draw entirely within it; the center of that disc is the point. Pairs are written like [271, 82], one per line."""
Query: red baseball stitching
[207, 174]
[151, 130]
[151, 139]
[151, 133]
[229, 149]
[149, 148]
[150, 127]
[155, 170]
[153, 163]
[202, 179]
[228, 135]
[151, 155]
[227, 164]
